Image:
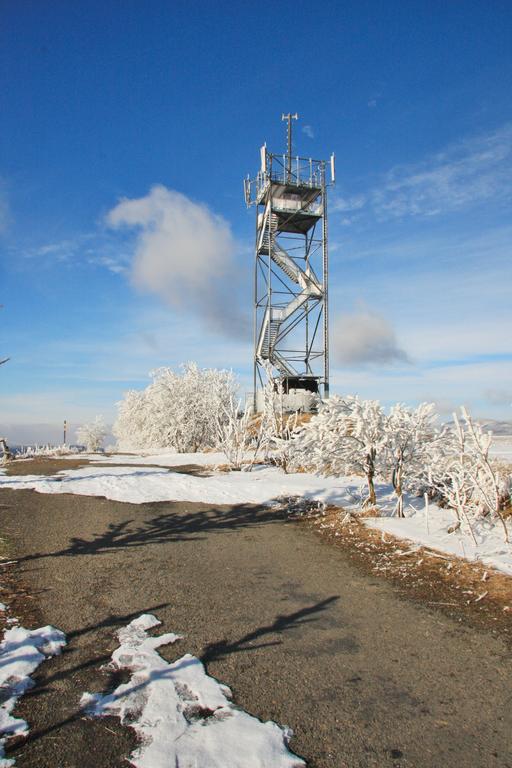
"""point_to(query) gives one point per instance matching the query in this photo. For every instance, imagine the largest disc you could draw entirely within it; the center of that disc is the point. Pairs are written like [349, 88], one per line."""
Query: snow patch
[180, 714]
[21, 652]
[164, 458]
[263, 485]
[432, 530]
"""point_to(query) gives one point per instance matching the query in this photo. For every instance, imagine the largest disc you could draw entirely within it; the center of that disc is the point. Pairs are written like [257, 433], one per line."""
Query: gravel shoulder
[364, 676]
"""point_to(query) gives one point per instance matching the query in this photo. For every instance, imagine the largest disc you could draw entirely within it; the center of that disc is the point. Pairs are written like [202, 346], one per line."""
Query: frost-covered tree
[133, 422]
[178, 410]
[6, 453]
[234, 430]
[468, 481]
[92, 435]
[410, 433]
[346, 437]
[275, 425]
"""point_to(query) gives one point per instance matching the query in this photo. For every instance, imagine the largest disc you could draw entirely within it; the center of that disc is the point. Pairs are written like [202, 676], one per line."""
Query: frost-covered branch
[234, 431]
[92, 435]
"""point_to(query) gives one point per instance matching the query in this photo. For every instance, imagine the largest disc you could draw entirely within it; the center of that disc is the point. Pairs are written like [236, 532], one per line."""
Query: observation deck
[293, 186]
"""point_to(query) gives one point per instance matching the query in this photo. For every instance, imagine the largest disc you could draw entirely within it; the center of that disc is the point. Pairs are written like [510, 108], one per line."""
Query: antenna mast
[289, 117]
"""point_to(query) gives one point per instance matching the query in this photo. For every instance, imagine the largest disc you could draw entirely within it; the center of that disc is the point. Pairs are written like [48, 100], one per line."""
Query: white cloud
[351, 203]
[448, 386]
[470, 171]
[112, 264]
[363, 338]
[499, 396]
[308, 130]
[446, 293]
[186, 255]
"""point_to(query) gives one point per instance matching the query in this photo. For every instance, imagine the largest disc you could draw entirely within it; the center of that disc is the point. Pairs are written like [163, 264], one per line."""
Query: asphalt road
[361, 675]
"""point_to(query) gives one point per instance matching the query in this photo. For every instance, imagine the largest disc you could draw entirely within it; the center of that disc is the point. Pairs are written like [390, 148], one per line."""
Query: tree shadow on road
[54, 726]
[282, 623]
[170, 526]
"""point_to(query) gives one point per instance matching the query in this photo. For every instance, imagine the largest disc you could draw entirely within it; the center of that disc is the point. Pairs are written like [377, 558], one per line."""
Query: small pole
[289, 117]
[65, 430]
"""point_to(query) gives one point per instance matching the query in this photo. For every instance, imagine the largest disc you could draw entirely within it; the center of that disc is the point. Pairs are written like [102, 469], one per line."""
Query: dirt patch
[52, 466]
[479, 595]
[42, 466]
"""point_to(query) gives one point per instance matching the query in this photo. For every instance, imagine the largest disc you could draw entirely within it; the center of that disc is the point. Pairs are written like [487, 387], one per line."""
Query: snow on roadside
[261, 486]
[432, 531]
[180, 714]
[21, 652]
[162, 458]
[266, 485]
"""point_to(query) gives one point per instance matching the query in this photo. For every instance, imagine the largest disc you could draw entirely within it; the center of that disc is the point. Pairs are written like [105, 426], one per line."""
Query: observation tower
[291, 330]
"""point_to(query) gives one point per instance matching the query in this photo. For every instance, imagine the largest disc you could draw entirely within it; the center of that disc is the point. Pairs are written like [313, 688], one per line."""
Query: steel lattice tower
[291, 269]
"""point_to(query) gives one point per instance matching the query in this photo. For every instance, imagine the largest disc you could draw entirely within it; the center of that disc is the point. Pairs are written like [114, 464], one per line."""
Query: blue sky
[163, 105]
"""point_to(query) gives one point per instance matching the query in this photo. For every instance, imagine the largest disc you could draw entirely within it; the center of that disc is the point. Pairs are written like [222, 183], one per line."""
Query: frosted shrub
[177, 410]
[234, 432]
[276, 428]
[410, 433]
[467, 480]
[92, 435]
[6, 453]
[346, 437]
[45, 451]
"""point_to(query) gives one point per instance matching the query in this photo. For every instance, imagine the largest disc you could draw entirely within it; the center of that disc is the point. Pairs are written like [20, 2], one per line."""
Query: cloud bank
[365, 338]
[470, 171]
[185, 254]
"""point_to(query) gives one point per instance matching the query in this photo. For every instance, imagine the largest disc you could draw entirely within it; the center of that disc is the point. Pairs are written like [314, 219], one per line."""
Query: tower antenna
[289, 117]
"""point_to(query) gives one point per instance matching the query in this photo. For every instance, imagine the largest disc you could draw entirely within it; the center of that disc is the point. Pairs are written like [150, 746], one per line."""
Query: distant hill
[496, 427]
[492, 425]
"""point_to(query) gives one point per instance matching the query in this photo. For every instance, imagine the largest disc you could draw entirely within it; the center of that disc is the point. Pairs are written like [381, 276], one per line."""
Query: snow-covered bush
[45, 451]
[177, 410]
[92, 435]
[346, 437]
[234, 436]
[410, 433]
[135, 425]
[276, 426]
[6, 453]
[467, 480]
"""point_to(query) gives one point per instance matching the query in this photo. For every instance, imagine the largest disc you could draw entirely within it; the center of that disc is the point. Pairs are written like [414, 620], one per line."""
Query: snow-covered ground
[431, 530]
[180, 714]
[132, 484]
[21, 652]
[267, 485]
[162, 458]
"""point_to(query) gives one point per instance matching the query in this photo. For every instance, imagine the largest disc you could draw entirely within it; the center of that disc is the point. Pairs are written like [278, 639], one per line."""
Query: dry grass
[469, 592]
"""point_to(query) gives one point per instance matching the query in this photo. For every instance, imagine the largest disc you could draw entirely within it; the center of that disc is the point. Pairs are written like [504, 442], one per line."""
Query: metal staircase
[274, 324]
